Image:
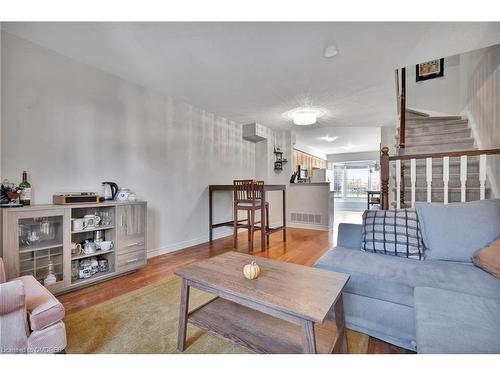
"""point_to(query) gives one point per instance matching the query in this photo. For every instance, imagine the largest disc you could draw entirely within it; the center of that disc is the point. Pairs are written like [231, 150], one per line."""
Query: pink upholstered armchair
[30, 317]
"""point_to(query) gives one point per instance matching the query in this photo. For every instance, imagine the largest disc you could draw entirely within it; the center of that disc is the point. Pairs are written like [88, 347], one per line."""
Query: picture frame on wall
[429, 70]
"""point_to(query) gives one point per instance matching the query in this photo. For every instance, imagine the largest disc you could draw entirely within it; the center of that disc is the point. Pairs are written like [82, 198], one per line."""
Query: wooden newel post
[384, 178]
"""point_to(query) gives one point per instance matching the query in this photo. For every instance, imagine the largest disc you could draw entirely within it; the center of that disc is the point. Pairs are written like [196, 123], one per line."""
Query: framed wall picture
[430, 69]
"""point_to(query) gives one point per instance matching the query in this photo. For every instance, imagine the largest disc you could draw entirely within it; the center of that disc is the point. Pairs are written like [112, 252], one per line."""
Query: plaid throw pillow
[393, 233]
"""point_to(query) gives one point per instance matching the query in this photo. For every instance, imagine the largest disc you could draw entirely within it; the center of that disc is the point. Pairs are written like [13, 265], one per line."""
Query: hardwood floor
[303, 246]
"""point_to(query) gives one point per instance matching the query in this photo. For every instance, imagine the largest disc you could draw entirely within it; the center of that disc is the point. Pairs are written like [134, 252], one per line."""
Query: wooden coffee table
[288, 309]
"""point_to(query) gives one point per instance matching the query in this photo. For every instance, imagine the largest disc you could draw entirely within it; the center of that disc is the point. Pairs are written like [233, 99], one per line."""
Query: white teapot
[122, 194]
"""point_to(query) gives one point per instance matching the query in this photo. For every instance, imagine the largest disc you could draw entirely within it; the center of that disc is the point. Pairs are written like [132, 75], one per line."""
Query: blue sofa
[429, 306]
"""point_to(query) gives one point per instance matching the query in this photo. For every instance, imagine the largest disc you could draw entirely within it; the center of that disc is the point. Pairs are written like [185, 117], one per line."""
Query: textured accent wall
[72, 126]
[481, 77]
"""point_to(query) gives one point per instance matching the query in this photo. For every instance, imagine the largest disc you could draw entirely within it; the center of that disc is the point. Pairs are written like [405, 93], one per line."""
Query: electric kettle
[109, 190]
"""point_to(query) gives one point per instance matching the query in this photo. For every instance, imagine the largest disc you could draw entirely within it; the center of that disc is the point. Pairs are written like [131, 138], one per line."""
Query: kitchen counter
[310, 205]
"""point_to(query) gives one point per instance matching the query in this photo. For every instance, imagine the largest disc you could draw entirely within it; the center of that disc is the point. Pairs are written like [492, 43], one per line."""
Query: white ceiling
[254, 72]
[349, 139]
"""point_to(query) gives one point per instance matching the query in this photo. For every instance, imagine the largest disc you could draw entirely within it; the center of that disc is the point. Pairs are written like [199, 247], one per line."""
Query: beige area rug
[145, 321]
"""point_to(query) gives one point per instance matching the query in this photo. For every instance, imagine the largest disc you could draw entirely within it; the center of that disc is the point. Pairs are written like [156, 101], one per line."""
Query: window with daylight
[352, 180]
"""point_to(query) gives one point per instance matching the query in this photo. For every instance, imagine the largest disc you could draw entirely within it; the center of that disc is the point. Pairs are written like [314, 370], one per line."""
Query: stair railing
[402, 110]
[398, 97]
[386, 159]
[401, 99]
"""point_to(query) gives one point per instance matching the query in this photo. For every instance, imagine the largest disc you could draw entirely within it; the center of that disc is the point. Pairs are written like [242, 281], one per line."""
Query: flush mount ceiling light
[348, 147]
[328, 138]
[305, 115]
[330, 51]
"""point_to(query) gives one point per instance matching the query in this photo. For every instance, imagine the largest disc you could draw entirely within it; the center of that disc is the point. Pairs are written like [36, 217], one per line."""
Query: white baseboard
[308, 226]
[276, 224]
[219, 233]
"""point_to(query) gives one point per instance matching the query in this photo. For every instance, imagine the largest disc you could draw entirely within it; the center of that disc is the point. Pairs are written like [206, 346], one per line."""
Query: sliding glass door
[351, 180]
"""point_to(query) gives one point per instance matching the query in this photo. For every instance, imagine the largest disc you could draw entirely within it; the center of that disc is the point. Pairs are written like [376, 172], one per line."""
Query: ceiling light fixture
[305, 116]
[328, 138]
[331, 51]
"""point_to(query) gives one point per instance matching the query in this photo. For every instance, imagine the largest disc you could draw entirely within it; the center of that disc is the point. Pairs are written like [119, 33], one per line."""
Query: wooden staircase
[437, 159]
[425, 133]
[428, 134]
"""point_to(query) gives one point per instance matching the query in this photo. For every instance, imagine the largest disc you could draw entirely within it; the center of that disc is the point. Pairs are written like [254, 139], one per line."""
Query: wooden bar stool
[247, 197]
[258, 195]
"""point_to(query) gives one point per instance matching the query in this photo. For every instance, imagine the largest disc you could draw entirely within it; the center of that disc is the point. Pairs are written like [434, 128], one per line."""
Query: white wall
[72, 126]
[480, 98]
[1, 34]
[354, 156]
[387, 138]
[438, 95]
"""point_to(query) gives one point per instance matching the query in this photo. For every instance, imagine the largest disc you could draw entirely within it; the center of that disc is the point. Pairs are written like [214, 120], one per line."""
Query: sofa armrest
[350, 236]
[43, 308]
[3, 278]
[13, 324]
[12, 297]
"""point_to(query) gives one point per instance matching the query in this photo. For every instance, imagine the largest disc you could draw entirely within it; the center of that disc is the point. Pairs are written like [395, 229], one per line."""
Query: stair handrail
[398, 98]
[402, 110]
[385, 160]
[451, 154]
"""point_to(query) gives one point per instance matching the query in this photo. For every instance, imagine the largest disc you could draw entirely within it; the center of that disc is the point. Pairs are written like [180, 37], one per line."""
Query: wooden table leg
[210, 214]
[284, 215]
[309, 337]
[263, 223]
[251, 229]
[340, 323]
[183, 315]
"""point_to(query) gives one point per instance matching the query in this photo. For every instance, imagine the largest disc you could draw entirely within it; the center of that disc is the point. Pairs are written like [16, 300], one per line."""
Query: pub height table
[264, 232]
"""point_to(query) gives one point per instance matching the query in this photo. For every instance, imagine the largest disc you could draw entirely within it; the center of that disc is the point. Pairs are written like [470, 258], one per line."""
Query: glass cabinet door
[40, 240]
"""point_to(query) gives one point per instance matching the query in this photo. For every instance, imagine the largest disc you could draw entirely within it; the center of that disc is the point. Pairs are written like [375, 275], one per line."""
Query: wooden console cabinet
[33, 236]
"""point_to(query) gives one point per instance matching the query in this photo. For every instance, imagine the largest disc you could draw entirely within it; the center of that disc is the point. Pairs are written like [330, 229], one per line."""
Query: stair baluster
[482, 177]
[413, 174]
[398, 184]
[446, 178]
[463, 177]
[428, 170]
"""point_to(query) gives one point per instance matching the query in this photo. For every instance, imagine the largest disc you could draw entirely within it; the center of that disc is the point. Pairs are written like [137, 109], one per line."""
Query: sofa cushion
[349, 236]
[393, 279]
[452, 323]
[395, 232]
[488, 258]
[372, 275]
[43, 308]
[457, 230]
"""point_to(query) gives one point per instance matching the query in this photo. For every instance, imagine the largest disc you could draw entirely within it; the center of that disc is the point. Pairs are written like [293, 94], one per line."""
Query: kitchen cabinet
[37, 237]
